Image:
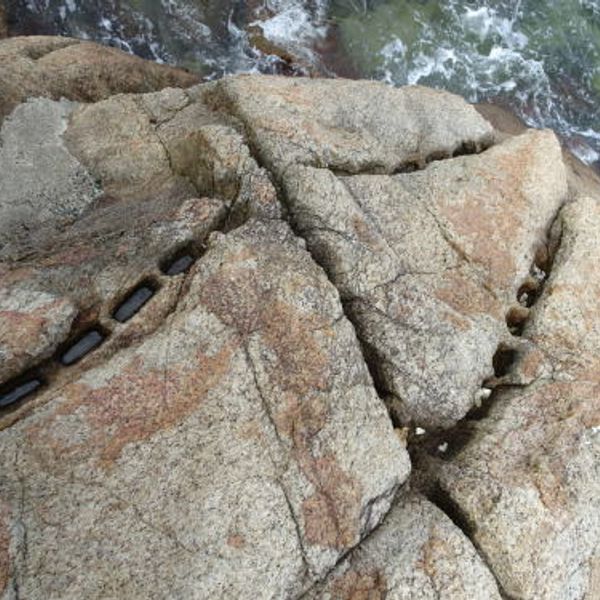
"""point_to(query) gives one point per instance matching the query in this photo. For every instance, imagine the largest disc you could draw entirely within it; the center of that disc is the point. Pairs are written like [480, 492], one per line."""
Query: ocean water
[541, 58]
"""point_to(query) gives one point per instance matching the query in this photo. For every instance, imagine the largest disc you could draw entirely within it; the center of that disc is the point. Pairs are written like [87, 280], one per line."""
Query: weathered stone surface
[227, 440]
[350, 126]
[32, 324]
[169, 141]
[238, 452]
[417, 554]
[565, 324]
[41, 183]
[56, 67]
[426, 262]
[65, 240]
[528, 483]
[429, 262]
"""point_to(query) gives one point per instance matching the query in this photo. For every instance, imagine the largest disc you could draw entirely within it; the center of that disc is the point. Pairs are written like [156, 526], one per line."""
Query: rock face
[428, 262]
[212, 300]
[528, 483]
[417, 554]
[77, 70]
[251, 405]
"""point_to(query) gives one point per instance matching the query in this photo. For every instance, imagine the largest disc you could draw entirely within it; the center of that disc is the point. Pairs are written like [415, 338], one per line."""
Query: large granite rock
[350, 126]
[238, 452]
[262, 265]
[427, 263]
[528, 482]
[57, 68]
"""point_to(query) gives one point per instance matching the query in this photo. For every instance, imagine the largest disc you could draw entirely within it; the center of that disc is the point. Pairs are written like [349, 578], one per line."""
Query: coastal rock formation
[528, 482]
[58, 68]
[428, 262]
[242, 445]
[417, 554]
[229, 314]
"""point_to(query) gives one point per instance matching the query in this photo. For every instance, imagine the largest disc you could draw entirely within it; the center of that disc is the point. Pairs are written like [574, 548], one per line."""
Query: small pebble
[83, 346]
[19, 392]
[133, 304]
[180, 265]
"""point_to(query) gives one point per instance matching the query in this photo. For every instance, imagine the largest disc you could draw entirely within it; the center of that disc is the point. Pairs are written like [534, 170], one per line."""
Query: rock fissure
[453, 511]
[256, 154]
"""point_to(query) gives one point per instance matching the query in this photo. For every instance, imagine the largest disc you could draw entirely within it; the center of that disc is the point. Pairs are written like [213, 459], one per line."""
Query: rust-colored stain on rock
[136, 404]
[356, 585]
[332, 513]
[299, 371]
[552, 418]
[466, 297]
[435, 555]
[236, 541]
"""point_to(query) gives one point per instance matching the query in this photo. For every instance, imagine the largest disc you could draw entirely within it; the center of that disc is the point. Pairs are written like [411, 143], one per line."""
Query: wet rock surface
[291, 285]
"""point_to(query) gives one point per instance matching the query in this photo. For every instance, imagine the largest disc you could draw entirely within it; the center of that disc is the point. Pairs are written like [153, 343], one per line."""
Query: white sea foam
[295, 25]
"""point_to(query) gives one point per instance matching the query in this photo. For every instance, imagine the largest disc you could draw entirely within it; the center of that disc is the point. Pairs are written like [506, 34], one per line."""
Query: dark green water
[540, 57]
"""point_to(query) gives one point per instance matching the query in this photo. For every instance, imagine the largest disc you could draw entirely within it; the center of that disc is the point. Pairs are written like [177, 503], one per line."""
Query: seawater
[541, 58]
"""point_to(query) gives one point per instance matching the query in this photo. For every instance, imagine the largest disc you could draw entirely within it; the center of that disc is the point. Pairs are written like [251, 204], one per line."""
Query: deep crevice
[410, 165]
[438, 496]
[444, 501]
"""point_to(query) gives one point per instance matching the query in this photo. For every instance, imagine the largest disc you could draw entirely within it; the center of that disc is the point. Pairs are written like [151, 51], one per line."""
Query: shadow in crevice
[442, 499]
[504, 360]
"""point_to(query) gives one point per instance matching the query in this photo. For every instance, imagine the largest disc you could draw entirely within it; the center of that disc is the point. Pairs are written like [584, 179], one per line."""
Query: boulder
[56, 67]
[527, 484]
[209, 295]
[427, 263]
[239, 451]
